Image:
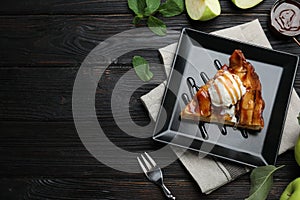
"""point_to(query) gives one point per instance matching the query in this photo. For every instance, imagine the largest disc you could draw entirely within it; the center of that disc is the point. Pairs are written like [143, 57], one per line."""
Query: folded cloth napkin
[211, 173]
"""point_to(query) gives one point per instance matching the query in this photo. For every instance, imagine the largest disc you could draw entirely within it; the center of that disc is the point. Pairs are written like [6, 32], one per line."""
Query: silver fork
[153, 173]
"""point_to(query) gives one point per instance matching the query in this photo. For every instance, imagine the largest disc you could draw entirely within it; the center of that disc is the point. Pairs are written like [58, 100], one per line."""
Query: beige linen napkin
[211, 173]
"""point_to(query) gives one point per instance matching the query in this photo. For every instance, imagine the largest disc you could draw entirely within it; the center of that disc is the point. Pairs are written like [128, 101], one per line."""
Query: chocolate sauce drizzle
[284, 18]
[193, 89]
[218, 64]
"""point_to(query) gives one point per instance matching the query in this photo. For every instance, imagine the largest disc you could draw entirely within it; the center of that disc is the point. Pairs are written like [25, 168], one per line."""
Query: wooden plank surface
[64, 41]
[45, 93]
[42, 45]
[54, 150]
[50, 161]
[115, 7]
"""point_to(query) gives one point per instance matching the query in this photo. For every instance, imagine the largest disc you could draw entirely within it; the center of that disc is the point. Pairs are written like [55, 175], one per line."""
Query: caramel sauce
[228, 84]
[204, 108]
[239, 86]
[218, 92]
[236, 93]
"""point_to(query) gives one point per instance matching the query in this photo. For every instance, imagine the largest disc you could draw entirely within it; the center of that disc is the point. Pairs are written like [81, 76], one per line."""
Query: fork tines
[146, 161]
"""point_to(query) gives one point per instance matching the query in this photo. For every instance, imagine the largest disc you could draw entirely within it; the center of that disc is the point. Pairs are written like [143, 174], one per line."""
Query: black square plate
[196, 53]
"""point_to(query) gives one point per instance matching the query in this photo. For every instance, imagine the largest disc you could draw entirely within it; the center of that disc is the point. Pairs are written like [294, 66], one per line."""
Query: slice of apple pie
[232, 97]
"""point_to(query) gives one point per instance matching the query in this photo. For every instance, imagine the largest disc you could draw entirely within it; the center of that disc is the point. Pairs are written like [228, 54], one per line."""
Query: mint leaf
[136, 20]
[137, 6]
[141, 67]
[171, 8]
[261, 182]
[157, 26]
[152, 6]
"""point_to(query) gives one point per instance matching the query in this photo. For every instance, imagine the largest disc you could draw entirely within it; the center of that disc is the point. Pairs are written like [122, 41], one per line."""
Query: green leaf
[298, 118]
[172, 8]
[152, 6]
[141, 67]
[136, 20]
[157, 26]
[137, 6]
[261, 182]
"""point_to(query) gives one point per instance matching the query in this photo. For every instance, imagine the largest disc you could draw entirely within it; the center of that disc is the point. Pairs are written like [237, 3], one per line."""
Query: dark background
[42, 44]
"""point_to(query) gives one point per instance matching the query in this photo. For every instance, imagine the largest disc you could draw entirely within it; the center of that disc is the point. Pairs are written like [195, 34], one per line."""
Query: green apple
[292, 191]
[245, 4]
[297, 145]
[297, 151]
[203, 10]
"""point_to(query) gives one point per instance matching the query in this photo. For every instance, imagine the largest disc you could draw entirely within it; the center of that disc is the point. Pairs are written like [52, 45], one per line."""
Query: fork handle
[167, 192]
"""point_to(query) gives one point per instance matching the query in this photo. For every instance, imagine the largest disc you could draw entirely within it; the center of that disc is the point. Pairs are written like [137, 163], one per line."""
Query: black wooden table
[42, 45]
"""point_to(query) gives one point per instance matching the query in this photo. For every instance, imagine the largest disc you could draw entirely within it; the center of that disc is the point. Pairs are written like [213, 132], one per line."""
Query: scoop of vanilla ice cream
[226, 89]
[229, 111]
